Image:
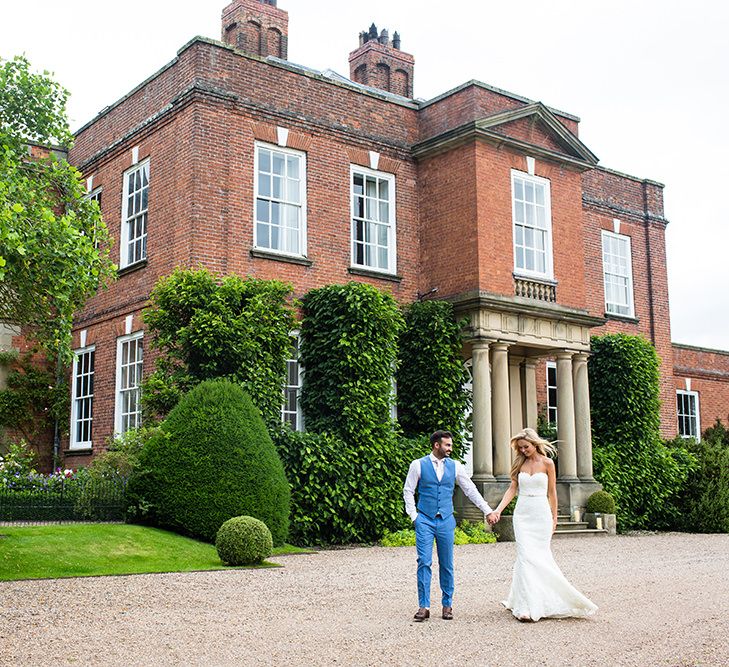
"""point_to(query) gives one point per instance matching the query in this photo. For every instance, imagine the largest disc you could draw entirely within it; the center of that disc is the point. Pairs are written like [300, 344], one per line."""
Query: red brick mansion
[236, 159]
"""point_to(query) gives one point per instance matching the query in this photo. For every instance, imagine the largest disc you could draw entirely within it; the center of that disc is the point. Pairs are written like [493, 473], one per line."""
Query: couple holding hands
[538, 587]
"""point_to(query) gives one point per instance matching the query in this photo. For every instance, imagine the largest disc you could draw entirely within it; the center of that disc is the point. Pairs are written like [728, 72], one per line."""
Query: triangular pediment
[534, 125]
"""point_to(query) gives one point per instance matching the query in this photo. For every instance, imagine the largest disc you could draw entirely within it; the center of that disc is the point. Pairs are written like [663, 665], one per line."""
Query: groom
[435, 476]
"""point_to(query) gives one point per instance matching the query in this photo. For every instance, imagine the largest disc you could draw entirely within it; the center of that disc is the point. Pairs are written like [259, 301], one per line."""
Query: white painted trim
[616, 226]
[90, 183]
[128, 322]
[282, 136]
[82, 337]
[117, 386]
[628, 241]
[392, 222]
[549, 272]
[695, 395]
[303, 243]
[124, 235]
[374, 159]
[135, 155]
[531, 165]
[72, 442]
[687, 382]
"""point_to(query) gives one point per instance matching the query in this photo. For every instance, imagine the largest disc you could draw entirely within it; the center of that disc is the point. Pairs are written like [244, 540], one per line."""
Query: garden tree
[704, 504]
[212, 459]
[349, 352]
[206, 327]
[430, 377]
[54, 247]
[631, 461]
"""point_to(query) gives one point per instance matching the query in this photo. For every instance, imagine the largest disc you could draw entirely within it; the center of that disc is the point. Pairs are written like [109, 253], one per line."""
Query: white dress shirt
[462, 479]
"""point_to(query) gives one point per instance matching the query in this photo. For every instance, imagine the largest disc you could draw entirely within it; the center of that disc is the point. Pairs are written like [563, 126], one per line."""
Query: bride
[538, 587]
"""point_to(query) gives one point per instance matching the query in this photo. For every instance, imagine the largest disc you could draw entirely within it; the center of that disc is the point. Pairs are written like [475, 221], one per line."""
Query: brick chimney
[257, 27]
[380, 63]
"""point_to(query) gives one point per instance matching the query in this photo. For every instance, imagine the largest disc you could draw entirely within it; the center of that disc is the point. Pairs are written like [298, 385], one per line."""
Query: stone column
[530, 392]
[583, 431]
[567, 461]
[500, 412]
[482, 442]
[515, 394]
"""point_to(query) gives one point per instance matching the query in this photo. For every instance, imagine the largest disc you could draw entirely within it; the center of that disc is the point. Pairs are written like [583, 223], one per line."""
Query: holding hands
[493, 518]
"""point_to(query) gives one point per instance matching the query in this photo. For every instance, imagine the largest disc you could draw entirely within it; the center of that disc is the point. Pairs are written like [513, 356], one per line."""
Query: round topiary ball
[602, 502]
[243, 540]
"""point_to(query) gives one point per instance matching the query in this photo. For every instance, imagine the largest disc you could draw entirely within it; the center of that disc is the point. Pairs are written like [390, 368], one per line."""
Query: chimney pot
[384, 37]
[396, 40]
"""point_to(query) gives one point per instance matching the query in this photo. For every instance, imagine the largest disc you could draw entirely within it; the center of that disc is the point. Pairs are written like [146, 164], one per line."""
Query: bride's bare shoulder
[548, 463]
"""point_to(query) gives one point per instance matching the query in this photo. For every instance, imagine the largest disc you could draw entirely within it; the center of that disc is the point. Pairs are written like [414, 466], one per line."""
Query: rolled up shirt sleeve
[408, 492]
[469, 489]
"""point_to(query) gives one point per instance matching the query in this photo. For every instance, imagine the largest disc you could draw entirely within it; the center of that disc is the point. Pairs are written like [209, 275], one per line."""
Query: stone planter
[609, 521]
[505, 528]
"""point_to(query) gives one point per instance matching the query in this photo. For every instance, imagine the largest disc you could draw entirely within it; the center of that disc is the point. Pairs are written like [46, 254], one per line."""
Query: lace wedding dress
[538, 587]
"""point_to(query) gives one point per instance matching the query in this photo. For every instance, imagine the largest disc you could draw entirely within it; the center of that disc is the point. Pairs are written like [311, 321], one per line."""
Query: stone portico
[505, 339]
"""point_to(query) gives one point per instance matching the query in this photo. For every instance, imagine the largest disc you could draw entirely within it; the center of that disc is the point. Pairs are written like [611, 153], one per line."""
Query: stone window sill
[369, 273]
[289, 259]
[131, 268]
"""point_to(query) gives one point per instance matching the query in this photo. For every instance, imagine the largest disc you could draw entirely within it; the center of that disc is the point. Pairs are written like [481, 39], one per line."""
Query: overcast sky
[648, 78]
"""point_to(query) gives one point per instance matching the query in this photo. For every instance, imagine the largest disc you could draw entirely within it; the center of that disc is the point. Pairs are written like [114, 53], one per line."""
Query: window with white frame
[82, 392]
[291, 408]
[373, 220]
[618, 274]
[280, 185]
[95, 195]
[129, 356]
[531, 211]
[687, 410]
[552, 393]
[135, 199]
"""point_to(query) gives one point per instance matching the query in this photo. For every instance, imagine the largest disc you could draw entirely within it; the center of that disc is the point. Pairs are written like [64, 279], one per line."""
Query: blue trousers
[442, 530]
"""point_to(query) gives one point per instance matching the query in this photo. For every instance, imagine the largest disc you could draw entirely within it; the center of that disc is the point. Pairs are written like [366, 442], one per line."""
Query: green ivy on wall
[431, 376]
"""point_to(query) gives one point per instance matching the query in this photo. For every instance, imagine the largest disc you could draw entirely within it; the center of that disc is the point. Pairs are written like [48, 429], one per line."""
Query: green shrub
[509, 509]
[704, 504]
[465, 533]
[243, 540]
[211, 460]
[400, 538]
[477, 533]
[207, 327]
[601, 502]
[630, 459]
[431, 376]
[334, 499]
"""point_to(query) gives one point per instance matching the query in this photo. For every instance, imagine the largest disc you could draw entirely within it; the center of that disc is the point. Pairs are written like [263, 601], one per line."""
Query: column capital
[515, 360]
[499, 346]
[530, 362]
[481, 344]
[581, 356]
[565, 354]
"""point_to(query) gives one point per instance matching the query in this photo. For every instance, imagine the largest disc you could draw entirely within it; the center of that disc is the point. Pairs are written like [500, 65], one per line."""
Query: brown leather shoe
[421, 615]
[447, 613]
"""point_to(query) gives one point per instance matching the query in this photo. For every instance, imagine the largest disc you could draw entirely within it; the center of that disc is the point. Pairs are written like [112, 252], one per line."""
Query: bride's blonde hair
[543, 447]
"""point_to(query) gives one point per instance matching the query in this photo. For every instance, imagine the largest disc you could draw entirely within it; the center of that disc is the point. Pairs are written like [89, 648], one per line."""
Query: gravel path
[664, 600]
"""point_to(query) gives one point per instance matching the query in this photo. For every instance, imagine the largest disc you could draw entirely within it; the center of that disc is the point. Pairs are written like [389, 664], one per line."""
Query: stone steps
[568, 528]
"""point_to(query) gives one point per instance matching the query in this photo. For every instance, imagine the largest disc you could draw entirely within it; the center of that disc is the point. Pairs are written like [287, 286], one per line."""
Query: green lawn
[84, 550]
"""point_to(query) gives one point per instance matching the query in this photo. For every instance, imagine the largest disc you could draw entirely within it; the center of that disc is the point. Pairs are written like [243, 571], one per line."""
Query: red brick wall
[638, 204]
[708, 371]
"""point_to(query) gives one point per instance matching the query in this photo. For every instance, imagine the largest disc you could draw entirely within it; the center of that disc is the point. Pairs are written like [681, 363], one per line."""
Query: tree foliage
[431, 378]
[54, 247]
[631, 460]
[207, 328]
[211, 460]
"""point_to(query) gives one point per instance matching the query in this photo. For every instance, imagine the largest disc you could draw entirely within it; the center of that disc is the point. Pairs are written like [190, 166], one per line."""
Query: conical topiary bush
[212, 460]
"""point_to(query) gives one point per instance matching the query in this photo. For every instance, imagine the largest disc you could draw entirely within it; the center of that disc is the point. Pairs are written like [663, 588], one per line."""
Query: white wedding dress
[538, 587]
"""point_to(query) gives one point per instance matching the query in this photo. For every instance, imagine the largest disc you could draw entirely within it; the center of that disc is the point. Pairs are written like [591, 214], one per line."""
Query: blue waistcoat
[436, 497]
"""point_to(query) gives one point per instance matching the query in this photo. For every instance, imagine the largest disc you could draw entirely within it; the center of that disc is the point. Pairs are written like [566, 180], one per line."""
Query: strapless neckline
[531, 474]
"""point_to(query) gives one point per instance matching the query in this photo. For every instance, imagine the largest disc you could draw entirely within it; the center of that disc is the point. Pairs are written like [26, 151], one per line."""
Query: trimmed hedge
[212, 460]
[631, 461]
[602, 502]
[243, 540]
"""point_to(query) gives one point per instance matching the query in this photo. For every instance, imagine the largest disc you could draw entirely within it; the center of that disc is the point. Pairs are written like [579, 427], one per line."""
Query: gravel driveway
[664, 600]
